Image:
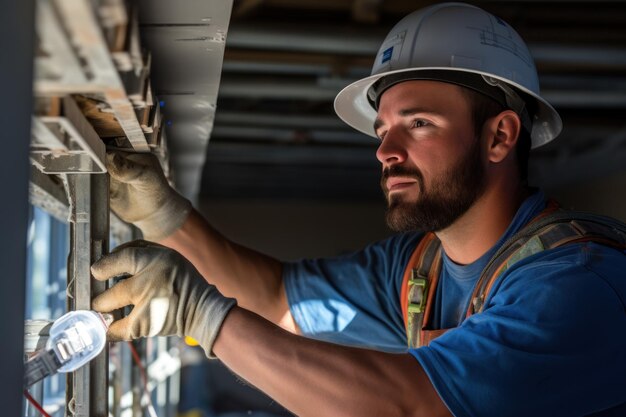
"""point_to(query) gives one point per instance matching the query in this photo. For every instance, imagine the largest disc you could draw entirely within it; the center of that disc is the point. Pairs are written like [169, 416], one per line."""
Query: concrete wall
[603, 196]
[292, 230]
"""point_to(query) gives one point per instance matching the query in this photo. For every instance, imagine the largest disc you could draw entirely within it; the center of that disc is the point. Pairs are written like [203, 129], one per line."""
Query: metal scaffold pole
[99, 367]
[88, 195]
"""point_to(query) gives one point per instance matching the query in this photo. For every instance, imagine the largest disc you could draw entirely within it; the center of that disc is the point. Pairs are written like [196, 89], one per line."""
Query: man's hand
[141, 195]
[168, 294]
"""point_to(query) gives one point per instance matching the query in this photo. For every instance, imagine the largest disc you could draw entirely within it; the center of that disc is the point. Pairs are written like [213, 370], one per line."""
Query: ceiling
[274, 133]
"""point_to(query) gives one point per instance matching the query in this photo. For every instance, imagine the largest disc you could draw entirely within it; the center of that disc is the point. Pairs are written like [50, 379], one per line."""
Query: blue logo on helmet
[387, 55]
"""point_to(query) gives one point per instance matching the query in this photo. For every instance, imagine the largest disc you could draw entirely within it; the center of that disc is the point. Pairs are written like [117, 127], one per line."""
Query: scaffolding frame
[86, 393]
[92, 87]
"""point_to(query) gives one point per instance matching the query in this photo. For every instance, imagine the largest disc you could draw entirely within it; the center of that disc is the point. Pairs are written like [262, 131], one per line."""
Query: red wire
[137, 359]
[144, 376]
[35, 404]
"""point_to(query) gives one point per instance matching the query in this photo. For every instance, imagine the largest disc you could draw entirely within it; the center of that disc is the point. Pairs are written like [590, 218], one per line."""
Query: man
[454, 101]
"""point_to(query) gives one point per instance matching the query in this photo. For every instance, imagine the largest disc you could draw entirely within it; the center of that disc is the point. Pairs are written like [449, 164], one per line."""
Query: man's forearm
[313, 378]
[253, 278]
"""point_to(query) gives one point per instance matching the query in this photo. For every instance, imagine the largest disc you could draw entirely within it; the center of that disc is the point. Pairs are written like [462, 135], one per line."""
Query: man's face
[432, 162]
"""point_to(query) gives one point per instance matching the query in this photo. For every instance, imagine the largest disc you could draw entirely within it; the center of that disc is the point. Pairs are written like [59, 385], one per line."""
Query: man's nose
[392, 149]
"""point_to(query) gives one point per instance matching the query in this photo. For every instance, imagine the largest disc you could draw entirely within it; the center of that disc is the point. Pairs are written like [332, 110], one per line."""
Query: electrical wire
[35, 404]
[144, 379]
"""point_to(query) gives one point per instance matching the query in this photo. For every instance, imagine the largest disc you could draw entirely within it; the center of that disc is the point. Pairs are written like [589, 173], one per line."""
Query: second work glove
[141, 195]
[169, 295]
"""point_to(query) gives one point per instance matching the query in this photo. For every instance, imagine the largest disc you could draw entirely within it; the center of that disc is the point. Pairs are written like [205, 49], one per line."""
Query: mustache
[400, 171]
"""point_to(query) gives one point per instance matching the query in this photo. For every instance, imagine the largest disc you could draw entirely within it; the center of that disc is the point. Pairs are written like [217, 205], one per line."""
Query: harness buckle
[418, 289]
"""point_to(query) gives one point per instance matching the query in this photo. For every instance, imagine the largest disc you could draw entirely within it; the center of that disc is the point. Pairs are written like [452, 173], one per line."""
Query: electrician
[403, 327]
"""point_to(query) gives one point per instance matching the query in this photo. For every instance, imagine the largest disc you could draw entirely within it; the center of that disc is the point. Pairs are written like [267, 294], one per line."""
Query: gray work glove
[169, 295]
[141, 195]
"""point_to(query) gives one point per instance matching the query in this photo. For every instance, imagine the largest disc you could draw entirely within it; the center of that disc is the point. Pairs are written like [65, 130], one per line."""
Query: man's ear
[503, 131]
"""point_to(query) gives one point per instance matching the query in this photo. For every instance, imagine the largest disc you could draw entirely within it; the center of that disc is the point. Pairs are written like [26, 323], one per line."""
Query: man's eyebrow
[414, 110]
[404, 112]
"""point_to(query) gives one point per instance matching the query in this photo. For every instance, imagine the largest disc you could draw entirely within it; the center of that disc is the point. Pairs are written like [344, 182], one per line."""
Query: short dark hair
[483, 108]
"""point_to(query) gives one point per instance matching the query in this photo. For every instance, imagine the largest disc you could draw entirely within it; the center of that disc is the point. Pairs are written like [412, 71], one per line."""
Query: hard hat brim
[354, 108]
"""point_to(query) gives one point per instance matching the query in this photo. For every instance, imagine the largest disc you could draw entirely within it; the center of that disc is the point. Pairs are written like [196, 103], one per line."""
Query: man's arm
[313, 378]
[141, 195]
[254, 279]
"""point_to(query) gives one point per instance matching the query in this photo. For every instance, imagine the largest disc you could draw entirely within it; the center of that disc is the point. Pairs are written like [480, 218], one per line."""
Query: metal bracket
[66, 143]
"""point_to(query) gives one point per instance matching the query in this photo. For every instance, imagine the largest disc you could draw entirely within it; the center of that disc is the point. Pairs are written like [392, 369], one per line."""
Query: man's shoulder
[577, 269]
[589, 256]
[567, 240]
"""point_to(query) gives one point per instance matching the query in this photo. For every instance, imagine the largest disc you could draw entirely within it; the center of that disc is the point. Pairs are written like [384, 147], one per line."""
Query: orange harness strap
[414, 260]
[418, 288]
[550, 229]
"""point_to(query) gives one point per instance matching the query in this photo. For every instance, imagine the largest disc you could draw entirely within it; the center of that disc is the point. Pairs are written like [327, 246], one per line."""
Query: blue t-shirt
[550, 342]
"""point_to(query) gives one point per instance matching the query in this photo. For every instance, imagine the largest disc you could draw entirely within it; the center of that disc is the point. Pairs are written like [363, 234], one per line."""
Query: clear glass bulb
[77, 337]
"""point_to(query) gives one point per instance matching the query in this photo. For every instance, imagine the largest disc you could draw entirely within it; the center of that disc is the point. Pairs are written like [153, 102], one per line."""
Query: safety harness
[552, 228]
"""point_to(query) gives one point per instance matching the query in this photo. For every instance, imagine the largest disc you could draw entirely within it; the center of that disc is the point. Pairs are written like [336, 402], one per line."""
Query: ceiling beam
[256, 56]
[268, 88]
[349, 42]
[303, 135]
[316, 39]
[277, 120]
[283, 154]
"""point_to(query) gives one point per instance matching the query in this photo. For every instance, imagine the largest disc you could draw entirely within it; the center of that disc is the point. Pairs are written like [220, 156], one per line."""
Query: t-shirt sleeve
[551, 341]
[353, 299]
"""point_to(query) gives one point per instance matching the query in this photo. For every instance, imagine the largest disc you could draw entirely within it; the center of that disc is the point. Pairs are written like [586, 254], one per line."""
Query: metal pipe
[87, 394]
[79, 188]
[99, 244]
[338, 40]
[223, 118]
[274, 88]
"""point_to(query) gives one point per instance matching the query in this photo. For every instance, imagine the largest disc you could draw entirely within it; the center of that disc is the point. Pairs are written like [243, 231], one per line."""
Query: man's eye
[419, 123]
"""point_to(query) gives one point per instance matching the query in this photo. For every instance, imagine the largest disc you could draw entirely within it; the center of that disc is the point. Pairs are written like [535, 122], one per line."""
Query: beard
[439, 206]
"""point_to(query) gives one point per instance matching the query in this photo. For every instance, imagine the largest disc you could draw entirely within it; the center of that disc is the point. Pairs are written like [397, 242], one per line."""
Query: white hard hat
[461, 44]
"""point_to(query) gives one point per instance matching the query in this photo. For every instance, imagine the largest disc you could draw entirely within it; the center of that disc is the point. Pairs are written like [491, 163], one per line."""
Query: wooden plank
[100, 115]
[84, 32]
[125, 114]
